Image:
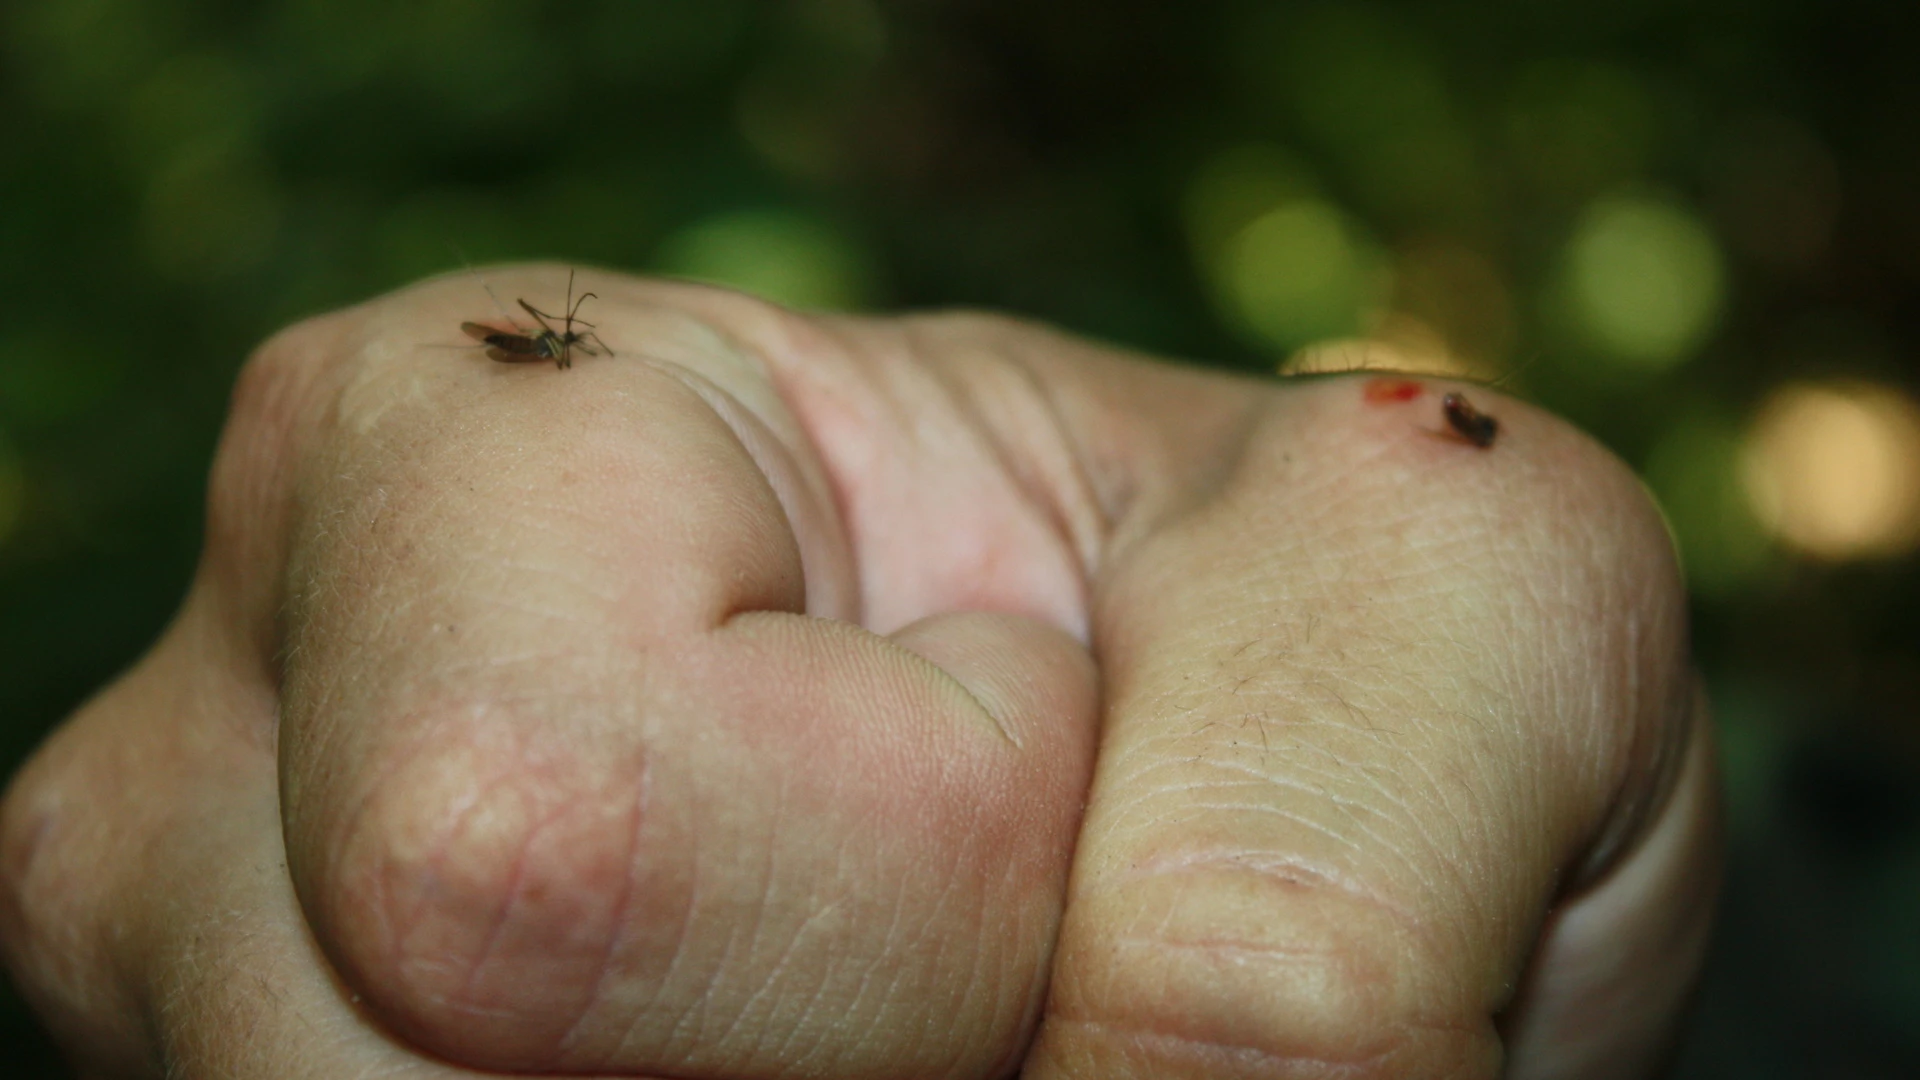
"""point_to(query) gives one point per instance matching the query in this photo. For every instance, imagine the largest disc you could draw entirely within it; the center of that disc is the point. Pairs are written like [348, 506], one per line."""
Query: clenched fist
[927, 697]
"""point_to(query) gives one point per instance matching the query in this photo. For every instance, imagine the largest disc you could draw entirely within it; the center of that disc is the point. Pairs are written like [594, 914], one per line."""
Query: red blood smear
[1381, 391]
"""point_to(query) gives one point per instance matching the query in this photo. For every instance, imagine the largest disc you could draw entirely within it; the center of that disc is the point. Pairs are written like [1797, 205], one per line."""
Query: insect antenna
[498, 306]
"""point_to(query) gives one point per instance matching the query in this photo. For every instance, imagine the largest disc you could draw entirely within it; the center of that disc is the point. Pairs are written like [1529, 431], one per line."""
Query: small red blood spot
[1381, 391]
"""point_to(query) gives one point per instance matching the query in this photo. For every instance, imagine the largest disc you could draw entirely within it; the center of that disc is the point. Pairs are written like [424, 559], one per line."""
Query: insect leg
[598, 343]
[539, 315]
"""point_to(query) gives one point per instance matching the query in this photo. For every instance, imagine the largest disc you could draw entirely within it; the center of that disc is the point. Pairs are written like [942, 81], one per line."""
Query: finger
[148, 914]
[175, 754]
[77, 828]
[1630, 947]
[574, 776]
[145, 908]
[1371, 707]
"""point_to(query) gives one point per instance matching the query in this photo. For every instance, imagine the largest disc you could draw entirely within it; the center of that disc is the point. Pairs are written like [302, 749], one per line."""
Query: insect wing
[511, 340]
[504, 346]
[597, 348]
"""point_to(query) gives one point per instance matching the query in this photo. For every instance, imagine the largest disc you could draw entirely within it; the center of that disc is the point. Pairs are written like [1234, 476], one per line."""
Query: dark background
[1654, 217]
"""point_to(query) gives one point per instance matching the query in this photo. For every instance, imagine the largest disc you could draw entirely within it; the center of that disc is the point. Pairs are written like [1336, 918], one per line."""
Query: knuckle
[273, 405]
[30, 872]
[55, 840]
[274, 387]
[1540, 527]
[1597, 490]
[487, 881]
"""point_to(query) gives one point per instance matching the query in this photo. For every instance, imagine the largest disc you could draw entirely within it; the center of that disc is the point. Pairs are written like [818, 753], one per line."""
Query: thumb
[1371, 707]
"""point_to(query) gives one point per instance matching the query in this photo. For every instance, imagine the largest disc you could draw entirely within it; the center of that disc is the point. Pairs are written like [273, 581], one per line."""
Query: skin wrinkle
[1421, 765]
[469, 805]
[381, 904]
[951, 897]
[1623, 821]
[882, 408]
[1222, 947]
[1284, 1063]
[808, 486]
[1201, 811]
[1369, 777]
[880, 393]
[1415, 761]
[1346, 806]
[921, 933]
[794, 942]
[966, 388]
[510, 890]
[809, 1002]
[412, 923]
[985, 986]
[692, 1017]
[1136, 802]
[1287, 870]
[859, 995]
[672, 1046]
[829, 972]
[1323, 795]
[203, 968]
[764, 904]
[1080, 492]
[643, 789]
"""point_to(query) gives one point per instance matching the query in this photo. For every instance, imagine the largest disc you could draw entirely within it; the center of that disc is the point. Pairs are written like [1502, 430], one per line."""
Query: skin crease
[924, 697]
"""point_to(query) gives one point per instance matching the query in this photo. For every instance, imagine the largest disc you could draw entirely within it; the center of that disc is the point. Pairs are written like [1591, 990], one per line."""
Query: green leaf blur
[1646, 216]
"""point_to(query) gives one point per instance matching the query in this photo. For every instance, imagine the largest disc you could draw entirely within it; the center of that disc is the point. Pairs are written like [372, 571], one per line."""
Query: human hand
[723, 708]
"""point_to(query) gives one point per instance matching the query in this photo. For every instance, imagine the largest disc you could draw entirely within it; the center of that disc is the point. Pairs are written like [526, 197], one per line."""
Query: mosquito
[521, 345]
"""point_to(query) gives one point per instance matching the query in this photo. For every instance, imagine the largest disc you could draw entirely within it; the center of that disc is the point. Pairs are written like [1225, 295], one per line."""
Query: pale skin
[925, 697]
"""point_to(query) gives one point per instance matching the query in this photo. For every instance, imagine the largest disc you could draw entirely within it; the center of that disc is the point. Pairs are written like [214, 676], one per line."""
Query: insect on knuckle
[516, 344]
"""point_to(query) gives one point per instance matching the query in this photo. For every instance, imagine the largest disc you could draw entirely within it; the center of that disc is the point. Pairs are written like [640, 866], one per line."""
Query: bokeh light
[1300, 272]
[1834, 469]
[1233, 187]
[1644, 281]
[786, 257]
[1455, 289]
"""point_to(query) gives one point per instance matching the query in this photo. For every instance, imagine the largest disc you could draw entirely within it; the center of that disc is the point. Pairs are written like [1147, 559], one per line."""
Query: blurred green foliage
[1646, 214]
